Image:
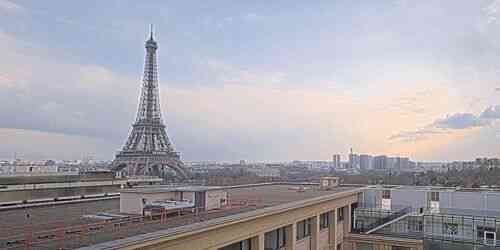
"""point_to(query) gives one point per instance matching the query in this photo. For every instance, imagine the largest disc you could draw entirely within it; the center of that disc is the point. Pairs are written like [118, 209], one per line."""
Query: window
[340, 214]
[415, 225]
[242, 245]
[386, 194]
[303, 229]
[324, 220]
[339, 246]
[482, 229]
[450, 228]
[400, 248]
[275, 239]
[434, 196]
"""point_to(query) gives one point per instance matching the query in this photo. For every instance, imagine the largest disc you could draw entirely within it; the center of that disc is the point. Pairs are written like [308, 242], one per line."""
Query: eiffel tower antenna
[148, 146]
[151, 31]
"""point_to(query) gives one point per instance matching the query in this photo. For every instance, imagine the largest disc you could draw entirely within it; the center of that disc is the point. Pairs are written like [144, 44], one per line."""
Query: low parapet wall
[39, 178]
[380, 242]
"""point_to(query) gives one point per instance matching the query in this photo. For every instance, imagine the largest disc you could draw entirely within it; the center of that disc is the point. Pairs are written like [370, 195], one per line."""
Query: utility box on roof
[329, 182]
[215, 199]
[201, 198]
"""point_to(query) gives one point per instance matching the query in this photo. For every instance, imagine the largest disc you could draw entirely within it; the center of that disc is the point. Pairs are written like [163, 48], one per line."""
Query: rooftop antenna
[151, 31]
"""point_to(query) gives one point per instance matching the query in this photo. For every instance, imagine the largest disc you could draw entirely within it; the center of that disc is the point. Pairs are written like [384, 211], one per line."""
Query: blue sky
[254, 80]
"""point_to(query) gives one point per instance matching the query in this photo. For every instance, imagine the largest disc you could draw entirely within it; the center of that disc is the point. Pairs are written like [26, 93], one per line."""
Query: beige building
[275, 216]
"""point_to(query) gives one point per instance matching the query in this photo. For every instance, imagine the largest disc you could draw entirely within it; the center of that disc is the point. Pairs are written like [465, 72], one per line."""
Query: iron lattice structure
[148, 148]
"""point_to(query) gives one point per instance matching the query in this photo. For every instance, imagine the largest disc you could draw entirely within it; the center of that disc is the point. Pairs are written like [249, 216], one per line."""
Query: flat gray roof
[274, 199]
[435, 188]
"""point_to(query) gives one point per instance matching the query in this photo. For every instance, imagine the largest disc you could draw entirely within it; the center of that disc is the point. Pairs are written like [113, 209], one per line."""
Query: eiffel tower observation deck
[148, 150]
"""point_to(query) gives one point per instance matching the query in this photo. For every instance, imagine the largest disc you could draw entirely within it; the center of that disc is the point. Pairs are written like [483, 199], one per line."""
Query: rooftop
[246, 201]
[436, 188]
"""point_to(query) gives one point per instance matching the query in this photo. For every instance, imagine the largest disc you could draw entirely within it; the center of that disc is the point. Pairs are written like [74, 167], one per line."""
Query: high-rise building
[402, 163]
[336, 161]
[353, 160]
[390, 163]
[365, 162]
[380, 162]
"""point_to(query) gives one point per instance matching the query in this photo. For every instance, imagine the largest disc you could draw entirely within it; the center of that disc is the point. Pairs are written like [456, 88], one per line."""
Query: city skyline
[242, 81]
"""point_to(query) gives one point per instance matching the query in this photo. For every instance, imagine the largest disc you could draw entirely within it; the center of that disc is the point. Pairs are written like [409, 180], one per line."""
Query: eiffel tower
[148, 150]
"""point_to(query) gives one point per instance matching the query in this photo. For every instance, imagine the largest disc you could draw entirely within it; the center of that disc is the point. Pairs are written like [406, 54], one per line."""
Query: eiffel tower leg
[147, 169]
[130, 169]
[134, 169]
[137, 169]
[140, 169]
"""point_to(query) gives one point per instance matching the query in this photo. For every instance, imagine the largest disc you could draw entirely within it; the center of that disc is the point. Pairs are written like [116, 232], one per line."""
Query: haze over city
[260, 81]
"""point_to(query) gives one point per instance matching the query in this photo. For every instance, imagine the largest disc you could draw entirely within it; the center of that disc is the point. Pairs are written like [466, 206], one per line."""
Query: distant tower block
[148, 150]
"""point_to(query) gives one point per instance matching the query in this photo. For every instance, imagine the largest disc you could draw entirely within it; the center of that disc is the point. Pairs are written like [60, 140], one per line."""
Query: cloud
[251, 16]
[491, 11]
[10, 7]
[416, 103]
[51, 95]
[229, 74]
[420, 134]
[48, 145]
[459, 121]
[492, 112]
[450, 123]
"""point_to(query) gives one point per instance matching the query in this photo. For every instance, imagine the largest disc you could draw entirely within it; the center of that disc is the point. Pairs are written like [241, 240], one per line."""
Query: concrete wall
[474, 200]
[188, 196]
[471, 200]
[380, 242]
[371, 197]
[132, 202]
[19, 195]
[413, 198]
[93, 176]
[303, 244]
[339, 232]
[214, 198]
[324, 238]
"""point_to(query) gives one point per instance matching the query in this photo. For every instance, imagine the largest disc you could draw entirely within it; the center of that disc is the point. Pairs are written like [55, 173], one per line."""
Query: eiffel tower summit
[148, 150]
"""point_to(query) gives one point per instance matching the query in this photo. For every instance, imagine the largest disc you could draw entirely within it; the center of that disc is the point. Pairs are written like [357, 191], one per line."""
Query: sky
[254, 80]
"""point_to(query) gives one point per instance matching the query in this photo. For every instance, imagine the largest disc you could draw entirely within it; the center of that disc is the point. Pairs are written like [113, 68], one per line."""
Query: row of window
[276, 239]
[325, 219]
[433, 196]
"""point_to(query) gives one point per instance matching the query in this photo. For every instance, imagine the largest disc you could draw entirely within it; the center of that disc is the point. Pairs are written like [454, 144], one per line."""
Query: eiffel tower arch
[148, 149]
